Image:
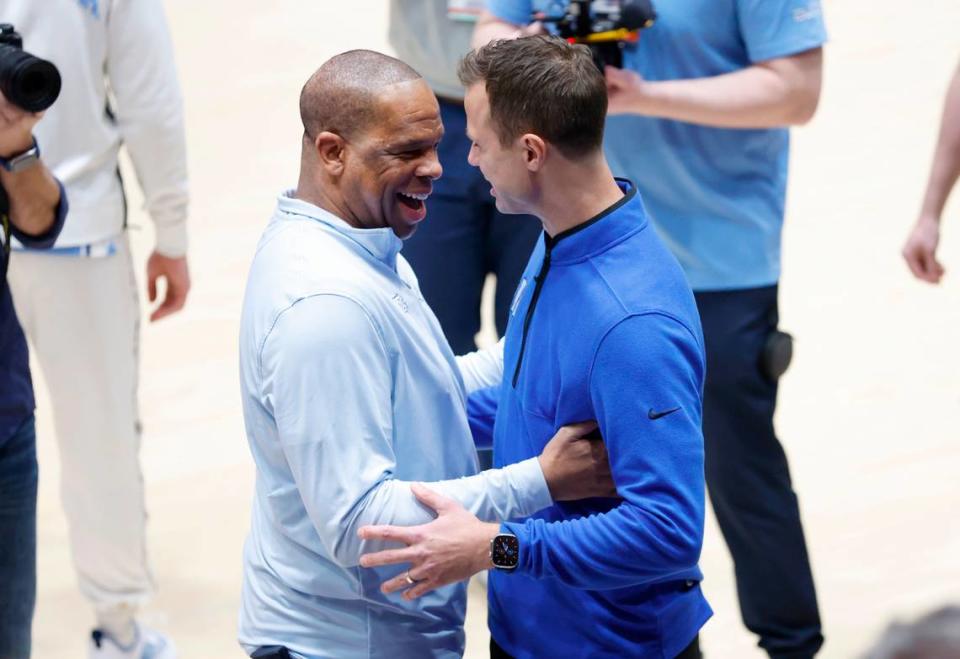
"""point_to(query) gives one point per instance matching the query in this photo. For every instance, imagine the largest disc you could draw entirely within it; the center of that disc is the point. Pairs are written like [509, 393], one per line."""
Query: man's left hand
[451, 548]
[177, 276]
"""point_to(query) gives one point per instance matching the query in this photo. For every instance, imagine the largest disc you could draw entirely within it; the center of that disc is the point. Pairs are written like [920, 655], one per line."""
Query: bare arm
[783, 91]
[920, 249]
[780, 92]
[489, 28]
[33, 193]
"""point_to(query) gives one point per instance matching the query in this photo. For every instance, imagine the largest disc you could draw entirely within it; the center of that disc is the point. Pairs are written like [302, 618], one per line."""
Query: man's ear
[534, 151]
[329, 149]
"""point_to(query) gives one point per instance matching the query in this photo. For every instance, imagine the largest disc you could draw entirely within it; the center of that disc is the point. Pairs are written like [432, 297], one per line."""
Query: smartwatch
[22, 161]
[505, 551]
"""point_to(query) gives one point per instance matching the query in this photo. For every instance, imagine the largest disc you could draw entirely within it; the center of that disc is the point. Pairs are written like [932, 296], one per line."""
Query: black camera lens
[26, 81]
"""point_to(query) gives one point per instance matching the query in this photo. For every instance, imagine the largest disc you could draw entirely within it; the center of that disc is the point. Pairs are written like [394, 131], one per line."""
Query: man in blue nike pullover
[603, 326]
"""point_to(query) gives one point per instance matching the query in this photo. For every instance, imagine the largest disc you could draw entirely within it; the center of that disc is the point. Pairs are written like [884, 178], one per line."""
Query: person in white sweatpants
[78, 302]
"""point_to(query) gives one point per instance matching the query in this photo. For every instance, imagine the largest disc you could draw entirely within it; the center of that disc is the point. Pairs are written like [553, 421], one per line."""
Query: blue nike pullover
[604, 326]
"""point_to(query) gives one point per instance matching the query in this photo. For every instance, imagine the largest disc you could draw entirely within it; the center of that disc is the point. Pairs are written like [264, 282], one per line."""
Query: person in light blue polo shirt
[704, 103]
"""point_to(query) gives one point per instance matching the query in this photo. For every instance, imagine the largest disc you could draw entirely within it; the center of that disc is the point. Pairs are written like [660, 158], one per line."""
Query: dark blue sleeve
[645, 367]
[481, 413]
[45, 240]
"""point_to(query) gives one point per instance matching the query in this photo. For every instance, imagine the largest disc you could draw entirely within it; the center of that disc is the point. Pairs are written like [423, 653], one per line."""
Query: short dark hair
[544, 85]
[340, 96]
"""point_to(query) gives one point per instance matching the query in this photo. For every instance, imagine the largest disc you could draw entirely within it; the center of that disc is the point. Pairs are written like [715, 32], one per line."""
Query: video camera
[28, 82]
[603, 25]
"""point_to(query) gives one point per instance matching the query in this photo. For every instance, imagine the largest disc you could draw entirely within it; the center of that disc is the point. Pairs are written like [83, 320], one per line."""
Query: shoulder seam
[610, 288]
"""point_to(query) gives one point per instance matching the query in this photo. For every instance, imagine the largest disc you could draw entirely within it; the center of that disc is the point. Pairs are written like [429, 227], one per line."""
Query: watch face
[505, 551]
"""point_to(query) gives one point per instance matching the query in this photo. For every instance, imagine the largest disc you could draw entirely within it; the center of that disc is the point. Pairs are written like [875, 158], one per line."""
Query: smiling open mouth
[413, 201]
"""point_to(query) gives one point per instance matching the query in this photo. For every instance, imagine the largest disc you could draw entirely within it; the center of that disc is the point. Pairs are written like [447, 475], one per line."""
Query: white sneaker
[147, 644]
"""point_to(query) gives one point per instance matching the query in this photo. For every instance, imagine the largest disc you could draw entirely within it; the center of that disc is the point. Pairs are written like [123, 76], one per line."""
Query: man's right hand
[575, 466]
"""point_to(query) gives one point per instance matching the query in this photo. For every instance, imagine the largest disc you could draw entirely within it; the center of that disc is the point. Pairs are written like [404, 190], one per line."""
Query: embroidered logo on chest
[400, 302]
[809, 13]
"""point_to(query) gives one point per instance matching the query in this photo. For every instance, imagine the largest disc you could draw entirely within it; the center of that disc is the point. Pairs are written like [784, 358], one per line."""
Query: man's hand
[920, 250]
[575, 466]
[177, 276]
[451, 548]
[626, 91]
[16, 128]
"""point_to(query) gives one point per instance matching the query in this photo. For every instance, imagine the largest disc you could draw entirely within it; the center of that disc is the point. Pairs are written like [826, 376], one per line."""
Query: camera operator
[706, 98]
[120, 91]
[32, 208]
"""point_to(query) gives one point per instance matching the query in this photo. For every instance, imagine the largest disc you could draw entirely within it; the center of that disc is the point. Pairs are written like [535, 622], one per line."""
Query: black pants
[691, 652]
[748, 478]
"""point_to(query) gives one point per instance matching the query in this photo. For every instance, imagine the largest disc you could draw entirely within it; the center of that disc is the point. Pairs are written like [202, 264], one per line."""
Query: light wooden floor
[870, 411]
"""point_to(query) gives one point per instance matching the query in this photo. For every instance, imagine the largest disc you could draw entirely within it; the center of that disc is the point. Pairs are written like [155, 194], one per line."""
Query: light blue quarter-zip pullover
[350, 393]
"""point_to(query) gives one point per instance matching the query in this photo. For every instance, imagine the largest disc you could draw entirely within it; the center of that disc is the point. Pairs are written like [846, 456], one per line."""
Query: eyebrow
[410, 145]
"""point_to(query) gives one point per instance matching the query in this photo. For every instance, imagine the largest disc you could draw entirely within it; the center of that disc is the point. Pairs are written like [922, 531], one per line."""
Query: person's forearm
[489, 28]
[759, 96]
[34, 196]
[626, 546]
[494, 495]
[946, 161]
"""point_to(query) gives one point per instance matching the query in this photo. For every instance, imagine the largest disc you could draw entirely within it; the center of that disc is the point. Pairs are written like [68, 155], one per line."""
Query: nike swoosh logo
[653, 415]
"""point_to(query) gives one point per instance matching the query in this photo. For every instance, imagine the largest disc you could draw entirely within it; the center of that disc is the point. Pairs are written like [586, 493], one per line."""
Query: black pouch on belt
[777, 350]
